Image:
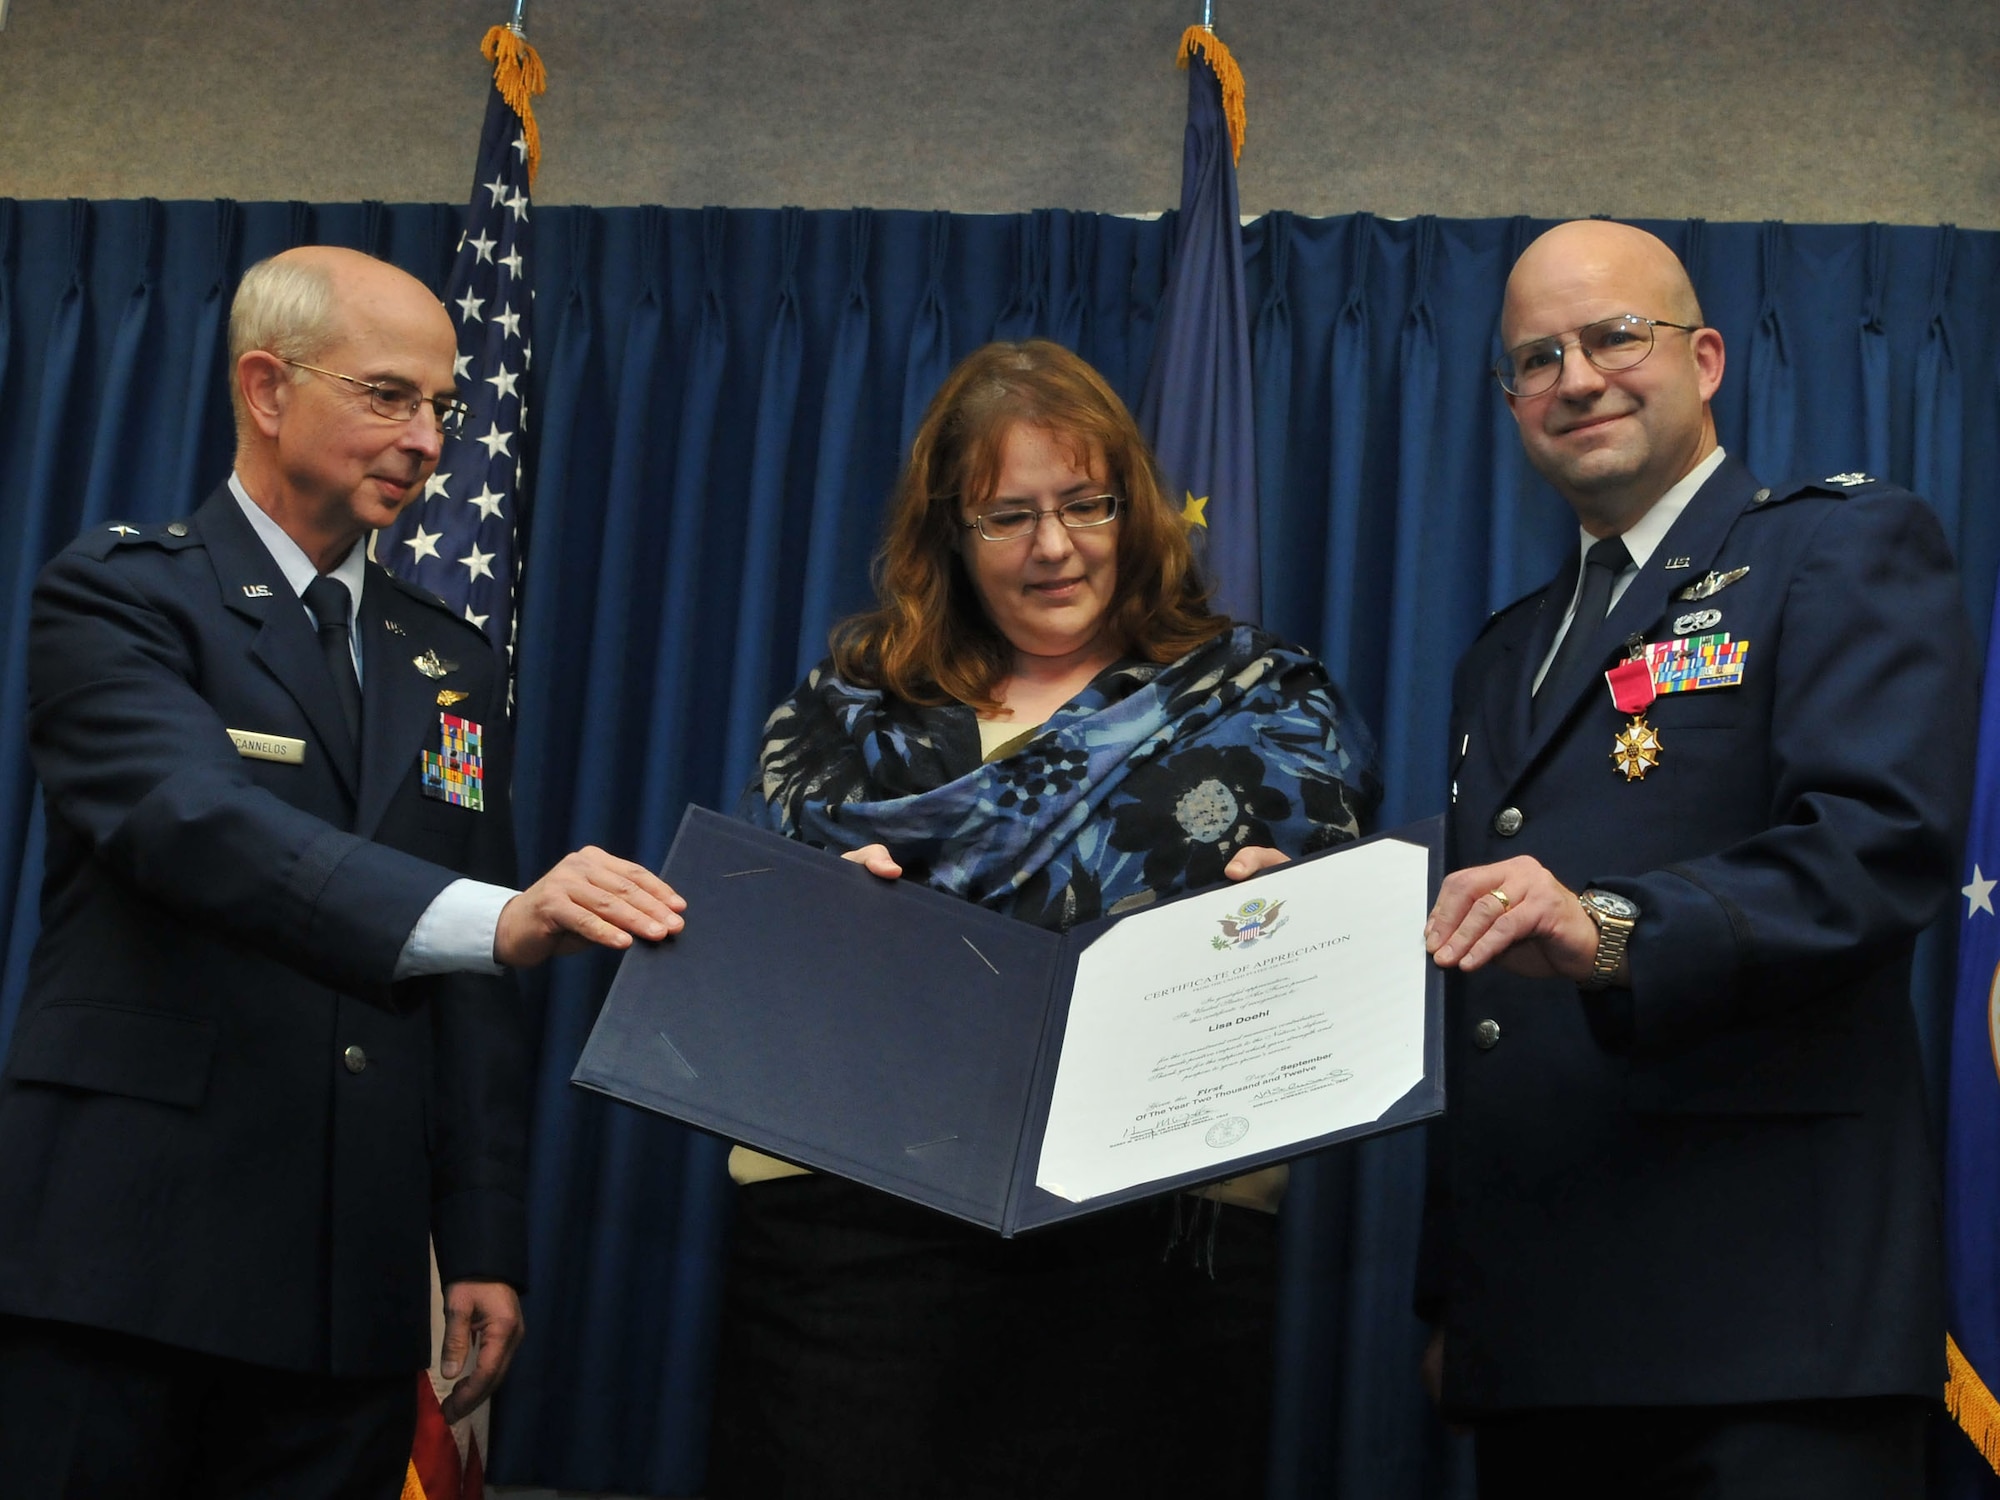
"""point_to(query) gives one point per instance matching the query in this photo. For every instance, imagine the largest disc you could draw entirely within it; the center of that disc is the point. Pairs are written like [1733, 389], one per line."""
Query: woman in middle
[1042, 716]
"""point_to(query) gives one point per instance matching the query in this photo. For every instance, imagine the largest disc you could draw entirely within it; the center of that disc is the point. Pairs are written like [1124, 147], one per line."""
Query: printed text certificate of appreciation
[1252, 1018]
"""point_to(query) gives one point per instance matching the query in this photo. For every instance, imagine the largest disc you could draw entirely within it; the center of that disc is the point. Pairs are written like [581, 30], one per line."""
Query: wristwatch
[1614, 916]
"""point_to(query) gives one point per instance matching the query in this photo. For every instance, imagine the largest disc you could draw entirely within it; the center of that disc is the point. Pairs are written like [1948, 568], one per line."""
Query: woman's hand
[877, 860]
[1247, 862]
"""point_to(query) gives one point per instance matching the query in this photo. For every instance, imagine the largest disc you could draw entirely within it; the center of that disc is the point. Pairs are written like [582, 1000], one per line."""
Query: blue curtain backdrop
[716, 415]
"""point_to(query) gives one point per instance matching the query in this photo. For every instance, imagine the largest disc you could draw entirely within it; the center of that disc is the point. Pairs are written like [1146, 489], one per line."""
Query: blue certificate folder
[878, 1029]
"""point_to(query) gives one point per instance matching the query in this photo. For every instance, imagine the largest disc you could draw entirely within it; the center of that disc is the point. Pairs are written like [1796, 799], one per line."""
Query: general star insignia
[1636, 749]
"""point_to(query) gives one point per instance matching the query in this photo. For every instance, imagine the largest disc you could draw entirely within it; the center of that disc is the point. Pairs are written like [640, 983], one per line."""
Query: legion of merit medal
[1635, 749]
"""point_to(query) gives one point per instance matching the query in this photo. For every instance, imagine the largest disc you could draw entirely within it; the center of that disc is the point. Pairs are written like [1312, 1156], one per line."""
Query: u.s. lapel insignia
[1635, 749]
[448, 696]
[256, 591]
[456, 772]
[1714, 583]
[1677, 564]
[393, 628]
[432, 665]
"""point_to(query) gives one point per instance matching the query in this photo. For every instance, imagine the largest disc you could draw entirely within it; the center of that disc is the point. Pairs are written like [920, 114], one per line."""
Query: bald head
[1612, 442]
[1598, 251]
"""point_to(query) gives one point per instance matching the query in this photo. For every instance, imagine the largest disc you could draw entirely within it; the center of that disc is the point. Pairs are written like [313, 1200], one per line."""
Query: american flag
[458, 540]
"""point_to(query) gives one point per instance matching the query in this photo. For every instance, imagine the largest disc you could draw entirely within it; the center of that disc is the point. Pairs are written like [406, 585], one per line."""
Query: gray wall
[1841, 110]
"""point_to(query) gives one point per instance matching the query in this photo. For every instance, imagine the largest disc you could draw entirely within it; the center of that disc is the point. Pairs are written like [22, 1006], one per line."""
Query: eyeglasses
[1611, 344]
[398, 400]
[1016, 521]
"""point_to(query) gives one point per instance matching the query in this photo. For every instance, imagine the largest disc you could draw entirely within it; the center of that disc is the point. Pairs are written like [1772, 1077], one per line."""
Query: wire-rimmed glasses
[398, 400]
[1610, 344]
[1012, 522]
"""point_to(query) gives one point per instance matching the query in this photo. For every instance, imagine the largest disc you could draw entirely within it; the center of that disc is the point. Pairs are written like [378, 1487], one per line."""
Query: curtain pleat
[930, 336]
[1347, 600]
[1271, 357]
[1414, 555]
[1773, 407]
[1024, 315]
[674, 725]
[1873, 366]
[555, 574]
[718, 416]
[1939, 446]
[200, 422]
[831, 526]
[758, 679]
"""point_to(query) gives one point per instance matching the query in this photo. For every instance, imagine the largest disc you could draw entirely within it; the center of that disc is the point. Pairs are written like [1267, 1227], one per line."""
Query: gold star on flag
[1192, 511]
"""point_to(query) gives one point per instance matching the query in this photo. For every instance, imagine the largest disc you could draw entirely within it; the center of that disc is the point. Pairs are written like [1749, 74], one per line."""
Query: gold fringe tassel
[518, 74]
[1209, 45]
[1971, 1404]
[413, 1487]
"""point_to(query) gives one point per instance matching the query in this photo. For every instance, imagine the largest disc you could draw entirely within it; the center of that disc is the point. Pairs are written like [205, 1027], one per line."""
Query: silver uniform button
[1508, 822]
[355, 1059]
[1486, 1035]
[1760, 497]
[178, 528]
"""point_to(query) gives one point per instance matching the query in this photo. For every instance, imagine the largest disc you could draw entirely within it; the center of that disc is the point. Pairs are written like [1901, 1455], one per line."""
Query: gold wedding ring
[1501, 896]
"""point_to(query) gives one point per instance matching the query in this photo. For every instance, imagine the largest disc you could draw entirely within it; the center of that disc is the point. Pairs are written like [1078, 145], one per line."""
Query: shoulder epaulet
[424, 596]
[101, 541]
[1833, 486]
[1507, 609]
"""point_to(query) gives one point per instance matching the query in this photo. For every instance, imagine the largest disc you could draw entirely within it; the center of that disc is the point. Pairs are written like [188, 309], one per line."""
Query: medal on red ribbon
[1635, 749]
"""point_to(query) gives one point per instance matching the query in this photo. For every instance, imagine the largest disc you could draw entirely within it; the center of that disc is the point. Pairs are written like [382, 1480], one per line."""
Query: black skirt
[873, 1348]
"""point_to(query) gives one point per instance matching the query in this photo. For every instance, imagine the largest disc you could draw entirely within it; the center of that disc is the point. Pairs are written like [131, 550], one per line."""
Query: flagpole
[520, 10]
[1208, 15]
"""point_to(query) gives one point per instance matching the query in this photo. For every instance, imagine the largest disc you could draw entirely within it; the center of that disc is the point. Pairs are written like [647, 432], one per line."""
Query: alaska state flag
[1972, 1141]
[1196, 407]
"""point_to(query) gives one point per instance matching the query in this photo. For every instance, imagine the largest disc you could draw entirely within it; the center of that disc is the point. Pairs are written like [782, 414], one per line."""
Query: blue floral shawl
[1142, 786]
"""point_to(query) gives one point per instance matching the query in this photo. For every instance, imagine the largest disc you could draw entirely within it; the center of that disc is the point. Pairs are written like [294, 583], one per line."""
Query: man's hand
[876, 860]
[1257, 857]
[591, 897]
[1516, 914]
[481, 1319]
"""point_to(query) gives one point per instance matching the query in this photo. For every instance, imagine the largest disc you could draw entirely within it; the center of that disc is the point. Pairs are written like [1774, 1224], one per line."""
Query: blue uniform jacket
[222, 1125]
[1717, 1185]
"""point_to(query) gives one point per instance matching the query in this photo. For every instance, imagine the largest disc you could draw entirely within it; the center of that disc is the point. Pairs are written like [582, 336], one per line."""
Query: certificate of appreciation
[1013, 1076]
[1265, 1015]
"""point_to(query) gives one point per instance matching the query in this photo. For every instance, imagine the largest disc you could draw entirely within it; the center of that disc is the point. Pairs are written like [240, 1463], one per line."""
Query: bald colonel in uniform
[1682, 1236]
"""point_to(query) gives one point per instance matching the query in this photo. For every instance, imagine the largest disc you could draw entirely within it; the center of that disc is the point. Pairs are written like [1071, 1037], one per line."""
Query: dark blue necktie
[1601, 566]
[329, 602]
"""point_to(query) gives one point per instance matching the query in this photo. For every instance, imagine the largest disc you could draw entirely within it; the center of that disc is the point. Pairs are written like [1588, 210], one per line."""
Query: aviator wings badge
[1714, 583]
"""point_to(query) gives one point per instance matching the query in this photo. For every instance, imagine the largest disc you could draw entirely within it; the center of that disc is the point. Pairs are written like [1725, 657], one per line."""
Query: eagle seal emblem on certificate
[1254, 919]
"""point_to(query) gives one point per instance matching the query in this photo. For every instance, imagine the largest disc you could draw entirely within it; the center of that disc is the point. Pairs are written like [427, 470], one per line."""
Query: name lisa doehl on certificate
[1261, 1016]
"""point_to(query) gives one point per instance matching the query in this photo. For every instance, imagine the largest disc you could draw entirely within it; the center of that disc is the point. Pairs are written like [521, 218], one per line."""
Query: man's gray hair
[283, 306]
